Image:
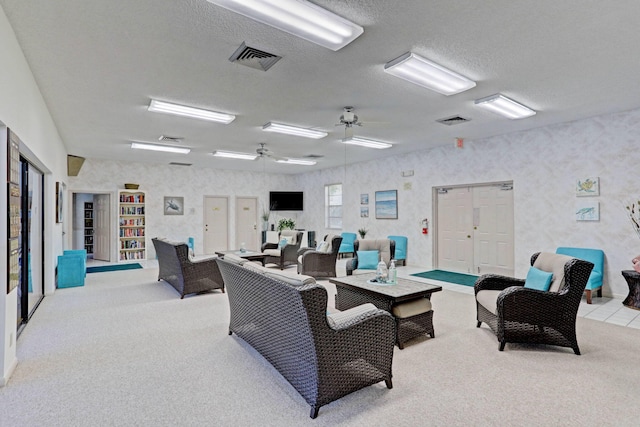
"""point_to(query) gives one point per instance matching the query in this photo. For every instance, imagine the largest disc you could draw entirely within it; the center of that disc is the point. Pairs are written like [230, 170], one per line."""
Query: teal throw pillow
[368, 260]
[538, 279]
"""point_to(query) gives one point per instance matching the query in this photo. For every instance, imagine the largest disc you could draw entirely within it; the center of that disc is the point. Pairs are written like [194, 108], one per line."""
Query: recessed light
[428, 74]
[154, 147]
[504, 106]
[234, 155]
[369, 143]
[186, 111]
[300, 18]
[294, 130]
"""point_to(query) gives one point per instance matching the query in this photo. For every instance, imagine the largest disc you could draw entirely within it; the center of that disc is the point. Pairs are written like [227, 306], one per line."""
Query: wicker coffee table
[352, 291]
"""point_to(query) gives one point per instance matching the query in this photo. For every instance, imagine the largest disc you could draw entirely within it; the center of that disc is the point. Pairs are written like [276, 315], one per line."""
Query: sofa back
[280, 320]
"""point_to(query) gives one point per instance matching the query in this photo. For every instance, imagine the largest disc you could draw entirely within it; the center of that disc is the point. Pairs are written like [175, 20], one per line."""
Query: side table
[633, 280]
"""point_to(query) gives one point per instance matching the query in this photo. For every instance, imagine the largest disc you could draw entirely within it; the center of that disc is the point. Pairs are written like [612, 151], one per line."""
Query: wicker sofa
[324, 357]
[186, 276]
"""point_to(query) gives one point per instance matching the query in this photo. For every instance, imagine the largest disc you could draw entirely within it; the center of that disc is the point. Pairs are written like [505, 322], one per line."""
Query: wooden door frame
[113, 207]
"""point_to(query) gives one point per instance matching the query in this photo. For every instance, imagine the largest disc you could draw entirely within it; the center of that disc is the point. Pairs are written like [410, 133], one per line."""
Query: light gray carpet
[125, 350]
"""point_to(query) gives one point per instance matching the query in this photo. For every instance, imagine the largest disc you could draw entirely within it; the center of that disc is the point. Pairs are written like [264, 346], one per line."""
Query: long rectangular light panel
[186, 111]
[300, 18]
[294, 130]
[418, 70]
[297, 162]
[504, 106]
[234, 155]
[154, 147]
[369, 143]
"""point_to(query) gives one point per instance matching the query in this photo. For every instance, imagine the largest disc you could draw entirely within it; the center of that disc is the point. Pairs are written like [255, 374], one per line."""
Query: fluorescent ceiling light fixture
[294, 130]
[186, 111]
[504, 106]
[300, 18]
[418, 70]
[297, 162]
[154, 147]
[369, 143]
[233, 155]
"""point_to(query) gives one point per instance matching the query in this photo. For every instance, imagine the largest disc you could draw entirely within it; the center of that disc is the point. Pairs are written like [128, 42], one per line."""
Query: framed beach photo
[364, 199]
[364, 211]
[387, 204]
[587, 211]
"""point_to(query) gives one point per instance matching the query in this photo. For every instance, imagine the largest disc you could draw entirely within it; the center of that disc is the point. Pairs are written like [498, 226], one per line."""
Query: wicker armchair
[386, 247]
[519, 314]
[324, 357]
[319, 264]
[283, 256]
[186, 276]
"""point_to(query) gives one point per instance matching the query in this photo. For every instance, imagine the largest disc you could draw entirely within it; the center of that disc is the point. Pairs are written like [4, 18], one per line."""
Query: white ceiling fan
[263, 152]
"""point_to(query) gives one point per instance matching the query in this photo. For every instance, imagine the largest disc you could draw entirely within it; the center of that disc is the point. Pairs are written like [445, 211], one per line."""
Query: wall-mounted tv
[286, 200]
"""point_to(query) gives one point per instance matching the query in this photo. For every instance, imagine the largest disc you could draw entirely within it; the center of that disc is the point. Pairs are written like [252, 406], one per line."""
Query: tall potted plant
[362, 232]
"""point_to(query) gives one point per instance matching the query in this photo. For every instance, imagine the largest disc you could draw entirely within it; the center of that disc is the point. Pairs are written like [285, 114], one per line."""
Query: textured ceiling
[98, 63]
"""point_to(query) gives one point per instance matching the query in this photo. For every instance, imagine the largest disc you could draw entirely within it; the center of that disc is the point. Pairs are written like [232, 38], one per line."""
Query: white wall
[23, 110]
[544, 165]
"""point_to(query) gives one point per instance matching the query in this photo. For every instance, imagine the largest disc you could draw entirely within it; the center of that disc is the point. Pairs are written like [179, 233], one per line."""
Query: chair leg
[576, 350]
[314, 411]
[588, 291]
[478, 324]
[389, 383]
[600, 292]
[501, 348]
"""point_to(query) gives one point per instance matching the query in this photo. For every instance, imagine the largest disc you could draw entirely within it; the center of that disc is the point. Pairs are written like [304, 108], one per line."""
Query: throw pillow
[325, 248]
[282, 243]
[368, 260]
[319, 247]
[538, 279]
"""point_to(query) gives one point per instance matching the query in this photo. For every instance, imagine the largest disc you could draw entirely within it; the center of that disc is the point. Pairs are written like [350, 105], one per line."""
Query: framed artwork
[364, 211]
[588, 211]
[173, 205]
[60, 189]
[387, 204]
[364, 199]
[589, 186]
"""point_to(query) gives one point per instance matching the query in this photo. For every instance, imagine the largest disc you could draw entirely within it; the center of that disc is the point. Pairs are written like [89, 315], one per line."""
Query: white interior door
[493, 229]
[216, 224]
[247, 222]
[455, 230]
[102, 227]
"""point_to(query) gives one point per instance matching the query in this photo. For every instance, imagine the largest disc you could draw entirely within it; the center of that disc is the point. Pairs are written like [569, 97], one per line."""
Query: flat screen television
[286, 200]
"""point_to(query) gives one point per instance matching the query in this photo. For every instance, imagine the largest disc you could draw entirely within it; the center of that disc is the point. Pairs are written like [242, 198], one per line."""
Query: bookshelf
[131, 225]
[88, 227]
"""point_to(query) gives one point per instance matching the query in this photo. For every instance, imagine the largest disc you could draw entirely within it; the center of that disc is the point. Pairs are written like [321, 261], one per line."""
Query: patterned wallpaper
[544, 165]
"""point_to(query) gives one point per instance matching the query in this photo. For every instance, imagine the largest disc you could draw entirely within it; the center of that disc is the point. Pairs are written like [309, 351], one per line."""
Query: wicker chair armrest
[290, 251]
[525, 304]
[495, 282]
[375, 329]
[350, 317]
[302, 251]
[269, 245]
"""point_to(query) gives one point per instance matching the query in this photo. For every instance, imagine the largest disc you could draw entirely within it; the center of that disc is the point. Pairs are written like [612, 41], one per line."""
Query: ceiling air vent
[254, 58]
[172, 139]
[453, 120]
[180, 164]
[313, 156]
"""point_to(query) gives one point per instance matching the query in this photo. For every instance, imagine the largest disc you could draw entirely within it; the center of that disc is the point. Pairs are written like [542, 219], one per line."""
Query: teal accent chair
[71, 271]
[346, 247]
[80, 253]
[401, 248]
[191, 242]
[595, 256]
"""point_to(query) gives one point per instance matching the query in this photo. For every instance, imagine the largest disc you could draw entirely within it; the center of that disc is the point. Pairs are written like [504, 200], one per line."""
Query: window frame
[329, 221]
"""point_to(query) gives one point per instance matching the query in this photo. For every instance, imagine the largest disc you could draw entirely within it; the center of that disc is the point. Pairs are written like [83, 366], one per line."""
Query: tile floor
[609, 310]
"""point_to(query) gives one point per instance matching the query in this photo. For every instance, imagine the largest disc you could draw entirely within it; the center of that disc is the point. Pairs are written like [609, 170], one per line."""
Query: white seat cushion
[272, 252]
[298, 280]
[411, 308]
[488, 299]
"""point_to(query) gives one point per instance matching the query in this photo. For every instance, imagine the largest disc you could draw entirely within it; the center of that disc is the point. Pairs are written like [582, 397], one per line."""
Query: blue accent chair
[71, 271]
[80, 253]
[346, 247]
[192, 246]
[596, 256]
[401, 248]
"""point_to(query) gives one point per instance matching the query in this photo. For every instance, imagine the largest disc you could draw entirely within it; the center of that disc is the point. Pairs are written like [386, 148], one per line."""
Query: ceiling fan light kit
[186, 111]
[418, 70]
[369, 143]
[234, 155]
[294, 130]
[299, 18]
[165, 148]
[504, 106]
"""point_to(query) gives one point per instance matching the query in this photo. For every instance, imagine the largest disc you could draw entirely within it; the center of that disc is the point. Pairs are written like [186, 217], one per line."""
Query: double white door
[475, 229]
